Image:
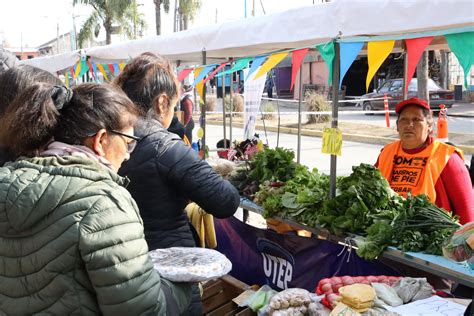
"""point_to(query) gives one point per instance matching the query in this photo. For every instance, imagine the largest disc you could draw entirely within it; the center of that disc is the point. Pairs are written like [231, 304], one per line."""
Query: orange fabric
[415, 173]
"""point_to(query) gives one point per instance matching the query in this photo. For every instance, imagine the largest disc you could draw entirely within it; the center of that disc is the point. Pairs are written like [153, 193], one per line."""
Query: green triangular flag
[462, 45]
[327, 53]
[84, 68]
[239, 65]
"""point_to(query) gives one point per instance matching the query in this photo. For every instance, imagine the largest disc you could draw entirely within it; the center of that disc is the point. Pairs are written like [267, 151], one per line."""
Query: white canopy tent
[290, 29]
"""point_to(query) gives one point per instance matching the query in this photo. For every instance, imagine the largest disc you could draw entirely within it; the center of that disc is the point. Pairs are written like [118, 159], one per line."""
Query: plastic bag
[182, 264]
[460, 246]
[259, 300]
[412, 289]
[387, 294]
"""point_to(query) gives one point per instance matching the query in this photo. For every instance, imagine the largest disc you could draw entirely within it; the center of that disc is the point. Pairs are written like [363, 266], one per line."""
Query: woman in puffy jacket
[71, 238]
[164, 173]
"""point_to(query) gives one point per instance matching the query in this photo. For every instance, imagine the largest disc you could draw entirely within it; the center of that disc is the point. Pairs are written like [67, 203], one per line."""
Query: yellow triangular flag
[377, 52]
[78, 70]
[66, 78]
[102, 70]
[200, 85]
[121, 66]
[271, 62]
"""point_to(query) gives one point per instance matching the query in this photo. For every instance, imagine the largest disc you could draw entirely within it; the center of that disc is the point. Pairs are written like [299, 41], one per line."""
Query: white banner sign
[253, 90]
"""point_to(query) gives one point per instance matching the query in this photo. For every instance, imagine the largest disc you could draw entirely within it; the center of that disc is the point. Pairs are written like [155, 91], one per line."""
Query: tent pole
[223, 110]
[335, 103]
[405, 69]
[231, 104]
[298, 151]
[203, 109]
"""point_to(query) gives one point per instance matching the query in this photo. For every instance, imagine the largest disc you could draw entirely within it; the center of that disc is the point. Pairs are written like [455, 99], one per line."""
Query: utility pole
[216, 15]
[253, 7]
[245, 8]
[176, 15]
[57, 37]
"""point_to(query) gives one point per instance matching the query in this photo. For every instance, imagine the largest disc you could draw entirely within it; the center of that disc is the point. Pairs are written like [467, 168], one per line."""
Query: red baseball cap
[412, 101]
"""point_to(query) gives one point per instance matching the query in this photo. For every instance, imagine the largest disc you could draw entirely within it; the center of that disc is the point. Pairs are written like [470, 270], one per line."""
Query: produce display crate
[218, 294]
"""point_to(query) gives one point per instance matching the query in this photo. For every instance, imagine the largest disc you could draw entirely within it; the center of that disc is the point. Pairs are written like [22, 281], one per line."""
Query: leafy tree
[105, 13]
[187, 11]
[166, 7]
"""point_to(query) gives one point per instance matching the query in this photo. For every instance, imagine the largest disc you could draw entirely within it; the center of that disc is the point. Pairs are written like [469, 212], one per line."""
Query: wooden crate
[218, 294]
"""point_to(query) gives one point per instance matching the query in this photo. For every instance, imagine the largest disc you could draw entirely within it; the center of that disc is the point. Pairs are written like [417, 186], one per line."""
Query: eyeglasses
[130, 145]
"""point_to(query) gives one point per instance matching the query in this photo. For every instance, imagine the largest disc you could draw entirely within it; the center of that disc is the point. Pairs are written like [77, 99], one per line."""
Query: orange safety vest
[415, 173]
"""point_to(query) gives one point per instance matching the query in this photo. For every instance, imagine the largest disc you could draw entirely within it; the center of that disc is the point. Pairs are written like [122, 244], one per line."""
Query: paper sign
[432, 306]
[332, 141]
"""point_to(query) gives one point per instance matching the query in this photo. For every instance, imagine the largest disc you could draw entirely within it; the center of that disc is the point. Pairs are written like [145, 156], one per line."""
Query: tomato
[335, 287]
[347, 280]
[326, 288]
[336, 280]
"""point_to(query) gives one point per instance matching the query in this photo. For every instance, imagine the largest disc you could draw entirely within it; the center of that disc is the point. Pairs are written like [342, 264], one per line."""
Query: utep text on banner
[253, 89]
[262, 256]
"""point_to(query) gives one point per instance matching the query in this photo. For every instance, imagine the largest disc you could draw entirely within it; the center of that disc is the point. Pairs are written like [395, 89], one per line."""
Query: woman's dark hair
[43, 112]
[145, 78]
[16, 79]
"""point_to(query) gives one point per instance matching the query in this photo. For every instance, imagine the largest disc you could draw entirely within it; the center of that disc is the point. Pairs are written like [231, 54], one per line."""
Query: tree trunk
[158, 16]
[422, 77]
[185, 22]
[108, 30]
[443, 69]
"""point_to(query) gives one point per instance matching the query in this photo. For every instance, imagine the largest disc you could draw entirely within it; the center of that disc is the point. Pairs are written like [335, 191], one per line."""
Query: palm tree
[166, 6]
[105, 13]
[187, 11]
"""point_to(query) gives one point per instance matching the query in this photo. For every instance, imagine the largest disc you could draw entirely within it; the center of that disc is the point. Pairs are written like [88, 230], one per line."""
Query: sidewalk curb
[461, 115]
[368, 139]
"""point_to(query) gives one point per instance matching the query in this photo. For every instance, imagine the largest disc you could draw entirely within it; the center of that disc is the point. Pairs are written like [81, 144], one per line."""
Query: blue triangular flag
[257, 62]
[348, 53]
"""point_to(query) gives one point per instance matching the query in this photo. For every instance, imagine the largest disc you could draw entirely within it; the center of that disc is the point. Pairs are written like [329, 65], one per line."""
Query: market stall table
[457, 272]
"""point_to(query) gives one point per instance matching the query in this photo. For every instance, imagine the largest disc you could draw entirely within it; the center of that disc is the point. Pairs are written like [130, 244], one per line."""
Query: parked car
[394, 90]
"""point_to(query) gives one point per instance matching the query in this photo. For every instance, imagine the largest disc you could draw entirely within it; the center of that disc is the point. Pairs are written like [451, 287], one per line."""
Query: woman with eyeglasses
[164, 173]
[71, 238]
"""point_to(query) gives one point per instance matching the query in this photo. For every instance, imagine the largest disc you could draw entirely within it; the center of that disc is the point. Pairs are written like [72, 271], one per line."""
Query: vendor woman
[419, 164]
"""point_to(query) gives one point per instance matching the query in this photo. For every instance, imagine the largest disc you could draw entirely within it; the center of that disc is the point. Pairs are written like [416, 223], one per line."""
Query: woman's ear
[99, 142]
[162, 103]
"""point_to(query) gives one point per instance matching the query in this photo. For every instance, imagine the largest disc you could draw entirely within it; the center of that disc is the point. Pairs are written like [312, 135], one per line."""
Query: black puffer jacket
[164, 175]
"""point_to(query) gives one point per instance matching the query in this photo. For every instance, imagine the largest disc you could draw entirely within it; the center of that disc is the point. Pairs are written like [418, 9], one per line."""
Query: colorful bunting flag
[257, 62]
[77, 70]
[102, 70]
[94, 70]
[66, 78]
[200, 85]
[111, 68]
[212, 74]
[271, 62]
[116, 69]
[91, 70]
[327, 53]
[239, 65]
[298, 57]
[462, 45]
[184, 73]
[204, 71]
[415, 48]
[377, 52]
[121, 66]
[348, 53]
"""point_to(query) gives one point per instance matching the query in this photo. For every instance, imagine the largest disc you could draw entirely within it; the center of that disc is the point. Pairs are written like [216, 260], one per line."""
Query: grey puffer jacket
[72, 243]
